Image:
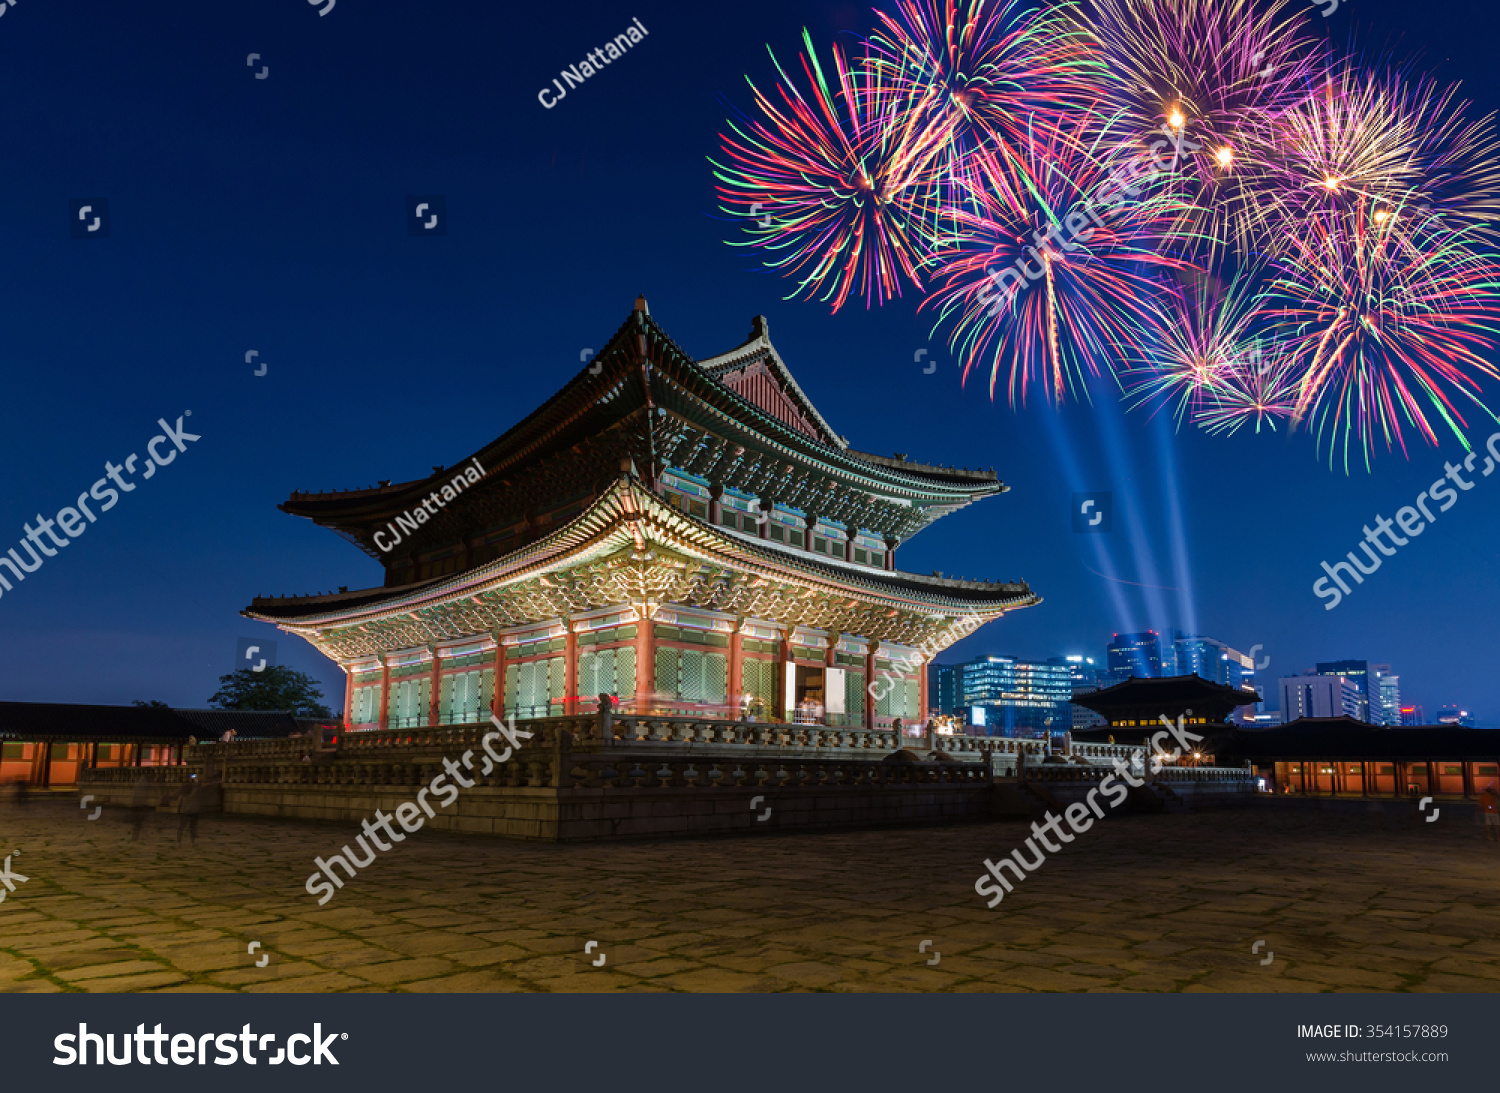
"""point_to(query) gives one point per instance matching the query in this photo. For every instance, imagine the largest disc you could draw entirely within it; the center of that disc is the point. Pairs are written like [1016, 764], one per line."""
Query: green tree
[273, 688]
[154, 704]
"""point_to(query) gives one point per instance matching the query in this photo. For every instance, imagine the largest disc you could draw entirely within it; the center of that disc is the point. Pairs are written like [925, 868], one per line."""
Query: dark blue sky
[267, 215]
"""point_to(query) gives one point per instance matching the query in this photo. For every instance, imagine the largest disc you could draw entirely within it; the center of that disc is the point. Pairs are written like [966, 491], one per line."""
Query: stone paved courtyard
[1345, 901]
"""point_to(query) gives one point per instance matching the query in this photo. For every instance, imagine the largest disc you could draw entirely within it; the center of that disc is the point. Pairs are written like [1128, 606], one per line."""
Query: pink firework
[992, 67]
[1214, 73]
[1060, 288]
[837, 184]
[1386, 325]
[1203, 347]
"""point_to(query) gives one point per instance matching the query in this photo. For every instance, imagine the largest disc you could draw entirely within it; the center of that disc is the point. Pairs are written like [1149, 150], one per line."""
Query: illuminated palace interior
[687, 536]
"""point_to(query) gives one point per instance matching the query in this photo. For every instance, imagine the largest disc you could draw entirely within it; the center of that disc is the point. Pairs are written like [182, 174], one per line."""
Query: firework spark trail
[992, 68]
[845, 174]
[1097, 271]
[1380, 324]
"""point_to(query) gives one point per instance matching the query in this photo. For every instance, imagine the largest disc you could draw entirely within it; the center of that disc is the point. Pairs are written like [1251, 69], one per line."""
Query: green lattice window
[465, 696]
[759, 682]
[411, 702]
[532, 687]
[692, 675]
[854, 696]
[608, 671]
[365, 707]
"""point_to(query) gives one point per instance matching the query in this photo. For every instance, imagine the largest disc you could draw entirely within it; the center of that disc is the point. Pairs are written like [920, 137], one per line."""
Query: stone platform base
[586, 815]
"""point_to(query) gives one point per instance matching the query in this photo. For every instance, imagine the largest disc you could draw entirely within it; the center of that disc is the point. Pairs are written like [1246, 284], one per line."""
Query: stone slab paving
[1346, 902]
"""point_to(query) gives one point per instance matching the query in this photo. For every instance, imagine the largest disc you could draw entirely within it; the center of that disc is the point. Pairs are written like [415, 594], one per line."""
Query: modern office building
[1385, 690]
[1007, 696]
[1313, 695]
[1412, 716]
[1086, 676]
[1137, 655]
[1357, 672]
[1082, 670]
[945, 684]
[1208, 658]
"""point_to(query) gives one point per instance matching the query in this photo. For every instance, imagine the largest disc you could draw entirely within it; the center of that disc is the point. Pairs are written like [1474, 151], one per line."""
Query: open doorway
[807, 692]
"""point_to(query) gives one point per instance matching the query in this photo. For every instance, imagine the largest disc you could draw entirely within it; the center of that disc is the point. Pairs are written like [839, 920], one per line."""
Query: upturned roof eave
[924, 593]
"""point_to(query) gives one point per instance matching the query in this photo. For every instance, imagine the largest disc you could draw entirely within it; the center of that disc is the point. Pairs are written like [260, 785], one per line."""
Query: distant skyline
[258, 272]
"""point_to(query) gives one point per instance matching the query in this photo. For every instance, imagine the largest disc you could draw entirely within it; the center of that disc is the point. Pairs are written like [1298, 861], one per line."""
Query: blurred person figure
[1489, 803]
[141, 806]
[189, 805]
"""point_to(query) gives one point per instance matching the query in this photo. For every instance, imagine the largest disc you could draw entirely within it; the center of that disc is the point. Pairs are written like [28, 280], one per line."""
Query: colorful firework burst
[837, 183]
[1203, 346]
[1385, 140]
[1384, 326]
[1261, 387]
[974, 143]
[1057, 288]
[993, 67]
[1213, 72]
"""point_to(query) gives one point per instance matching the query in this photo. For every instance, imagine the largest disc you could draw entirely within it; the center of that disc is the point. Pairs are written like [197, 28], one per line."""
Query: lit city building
[1412, 716]
[1455, 715]
[1006, 696]
[1356, 672]
[946, 688]
[1386, 690]
[1313, 695]
[1137, 655]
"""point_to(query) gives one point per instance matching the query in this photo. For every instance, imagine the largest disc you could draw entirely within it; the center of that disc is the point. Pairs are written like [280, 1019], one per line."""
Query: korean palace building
[688, 536]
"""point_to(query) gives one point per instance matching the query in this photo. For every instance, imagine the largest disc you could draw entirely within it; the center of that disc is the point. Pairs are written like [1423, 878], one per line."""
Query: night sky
[268, 215]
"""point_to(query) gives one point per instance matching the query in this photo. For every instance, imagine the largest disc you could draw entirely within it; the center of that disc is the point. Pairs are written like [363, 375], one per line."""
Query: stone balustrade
[633, 772]
[114, 777]
[584, 732]
[1205, 774]
[1106, 753]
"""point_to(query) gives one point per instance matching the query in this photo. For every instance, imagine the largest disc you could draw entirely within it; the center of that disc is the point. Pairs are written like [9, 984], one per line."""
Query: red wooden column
[385, 693]
[434, 703]
[570, 670]
[737, 666]
[829, 662]
[890, 551]
[921, 690]
[1468, 769]
[348, 695]
[497, 700]
[1398, 778]
[869, 683]
[645, 659]
[1432, 778]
